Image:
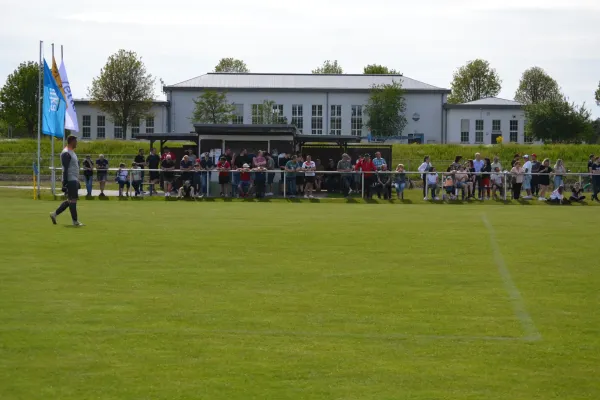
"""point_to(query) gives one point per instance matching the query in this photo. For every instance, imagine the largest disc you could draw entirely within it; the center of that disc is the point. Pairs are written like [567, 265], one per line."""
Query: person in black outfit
[88, 174]
[544, 180]
[140, 161]
[595, 169]
[535, 180]
[153, 161]
[70, 182]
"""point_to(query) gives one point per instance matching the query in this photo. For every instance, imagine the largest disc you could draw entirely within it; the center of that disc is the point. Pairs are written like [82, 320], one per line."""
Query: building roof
[245, 129]
[299, 82]
[487, 103]
[88, 101]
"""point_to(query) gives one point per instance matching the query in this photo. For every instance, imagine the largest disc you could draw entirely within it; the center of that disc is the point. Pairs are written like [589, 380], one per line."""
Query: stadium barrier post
[362, 179]
[130, 182]
[505, 185]
[284, 184]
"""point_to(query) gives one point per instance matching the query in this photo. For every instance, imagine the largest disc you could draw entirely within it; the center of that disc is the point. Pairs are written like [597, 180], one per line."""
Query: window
[356, 121]
[135, 128]
[336, 120]
[150, 125]
[317, 120]
[514, 130]
[238, 114]
[297, 117]
[478, 131]
[496, 126]
[257, 114]
[87, 127]
[101, 127]
[478, 137]
[464, 131]
[118, 132]
[278, 113]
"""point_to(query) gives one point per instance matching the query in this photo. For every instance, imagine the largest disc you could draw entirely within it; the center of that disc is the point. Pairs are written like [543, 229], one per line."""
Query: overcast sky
[425, 39]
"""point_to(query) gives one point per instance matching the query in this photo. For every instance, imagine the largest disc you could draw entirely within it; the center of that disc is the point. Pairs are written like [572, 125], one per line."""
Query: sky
[426, 40]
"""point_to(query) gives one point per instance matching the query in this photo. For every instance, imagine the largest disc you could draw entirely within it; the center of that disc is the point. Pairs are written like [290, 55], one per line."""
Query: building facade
[483, 121]
[96, 125]
[316, 104]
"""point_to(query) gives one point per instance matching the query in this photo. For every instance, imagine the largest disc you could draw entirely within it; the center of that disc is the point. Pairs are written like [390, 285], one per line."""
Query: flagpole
[61, 60]
[41, 65]
[53, 173]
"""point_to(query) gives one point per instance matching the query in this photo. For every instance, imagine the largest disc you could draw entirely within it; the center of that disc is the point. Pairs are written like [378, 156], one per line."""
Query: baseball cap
[246, 166]
[526, 156]
[533, 155]
[367, 155]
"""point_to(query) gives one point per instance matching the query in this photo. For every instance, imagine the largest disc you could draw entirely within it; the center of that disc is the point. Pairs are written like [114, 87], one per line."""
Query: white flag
[71, 115]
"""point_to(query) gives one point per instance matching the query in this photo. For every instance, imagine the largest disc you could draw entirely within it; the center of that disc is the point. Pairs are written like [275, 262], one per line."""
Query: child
[449, 187]
[557, 196]
[460, 181]
[136, 178]
[122, 179]
[497, 183]
[432, 183]
[576, 191]
[400, 181]
[244, 184]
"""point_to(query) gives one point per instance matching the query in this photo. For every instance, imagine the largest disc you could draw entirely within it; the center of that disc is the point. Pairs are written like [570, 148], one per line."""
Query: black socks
[73, 209]
[63, 206]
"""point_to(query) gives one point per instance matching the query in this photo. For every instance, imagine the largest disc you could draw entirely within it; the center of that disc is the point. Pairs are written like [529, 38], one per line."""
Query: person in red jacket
[368, 168]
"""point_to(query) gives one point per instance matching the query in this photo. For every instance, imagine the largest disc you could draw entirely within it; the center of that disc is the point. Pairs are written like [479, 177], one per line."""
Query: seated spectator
[137, 178]
[460, 181]
[345, 167]
[223, 166]
[432, 183]
[168, 167]
[557, 196]
[186, 190]
[123, 179]
[383, 183]
[244, 184]
[449, 187]
[486, 173]
[197, 178]
[576, 191]
[260, 179]
[400, 181]
[518, 177]
[497, 183]
[471, 179]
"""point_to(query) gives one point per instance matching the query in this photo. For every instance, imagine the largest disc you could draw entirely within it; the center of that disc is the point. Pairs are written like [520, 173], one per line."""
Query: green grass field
[283, 300]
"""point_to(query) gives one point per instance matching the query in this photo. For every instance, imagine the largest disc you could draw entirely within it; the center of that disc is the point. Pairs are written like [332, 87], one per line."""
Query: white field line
[531, 332]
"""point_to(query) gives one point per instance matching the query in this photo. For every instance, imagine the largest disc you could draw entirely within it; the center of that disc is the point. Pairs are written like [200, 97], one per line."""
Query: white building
[482, 121]
[94, 124]
[316, 104]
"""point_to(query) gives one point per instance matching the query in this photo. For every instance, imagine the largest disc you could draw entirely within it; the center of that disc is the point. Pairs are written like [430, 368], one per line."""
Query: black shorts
[169, 178]
[101, 176]
[72, 190]
[154, 176]
[309, 179]
[299, 180]
[223, 179]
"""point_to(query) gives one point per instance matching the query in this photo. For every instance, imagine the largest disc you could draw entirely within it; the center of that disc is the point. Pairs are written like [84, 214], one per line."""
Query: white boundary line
[531, 332]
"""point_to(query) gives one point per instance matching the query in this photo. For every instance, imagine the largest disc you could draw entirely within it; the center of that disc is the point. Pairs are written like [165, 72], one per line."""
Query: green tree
[19, 97]
[267, 114]
[329, 67]
[231, 65]
[474, 81]
[598, 95]
[376, 69]
[558, 121]
[537, 86]
[123, 90]
[385, 110]
[212, 108]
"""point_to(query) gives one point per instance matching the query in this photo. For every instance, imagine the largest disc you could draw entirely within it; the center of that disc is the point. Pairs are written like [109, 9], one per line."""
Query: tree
[474, 81]
[596, 127]
[376, 69]
[19, 97]
[558, 121]
[537, 86]
[123, 90]
[267, 114]
[231, 65]
[212, 108]
[329, 67]
[385, 110]
[598, 95]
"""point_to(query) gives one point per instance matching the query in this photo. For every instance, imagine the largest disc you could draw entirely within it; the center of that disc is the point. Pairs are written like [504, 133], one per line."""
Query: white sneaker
[77, 223]
[306, 196]
[425, 199]
[53, 217]
[437, 199]
[542, 199]
[311, 197]
[269, 194]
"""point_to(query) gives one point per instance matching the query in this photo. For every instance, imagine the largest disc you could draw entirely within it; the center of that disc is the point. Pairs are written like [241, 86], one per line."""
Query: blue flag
[54, 106]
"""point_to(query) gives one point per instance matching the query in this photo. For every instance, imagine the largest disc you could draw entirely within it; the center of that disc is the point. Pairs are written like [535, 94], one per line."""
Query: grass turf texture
[281, 300]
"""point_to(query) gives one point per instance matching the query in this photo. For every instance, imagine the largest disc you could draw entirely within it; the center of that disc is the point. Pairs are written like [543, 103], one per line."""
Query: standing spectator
[544, 179]
[223, 166]
[400, 181]
[535, 179]
[455, 166]
[290, 176]
[186, 167]
[368, 168]
[358, 177]
[229, 156]
[559, 173]
[206, 165]
[383, 183]
[486, 172]
[136, 178]
[478, 164]
[140, 160]
[518, 177]
[309, 168]
[590, 164]
[123, 179]
[423, 168]
[192, 156]
[596, 178]
[333, 181]
[244, 184]
[260, 177]
[282, 161]
[319, 177]
[153, 161]
[378, 161]
[197, 179]
[527, 178]
[102, 172]
[270, 175]
[259, 160]
[345, 167]
[167, 152]
[516, 158]
[471, 179]
[168, 168]
[88, 174]
[299, 177]
[496, 164]
[432, 183]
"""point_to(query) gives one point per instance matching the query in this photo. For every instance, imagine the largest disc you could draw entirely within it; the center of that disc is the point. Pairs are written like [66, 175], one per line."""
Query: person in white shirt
[558, 197]
[497, 183]
[423, 168]
[309, 168]
[432, 182]
[527, 178]
[123, 179]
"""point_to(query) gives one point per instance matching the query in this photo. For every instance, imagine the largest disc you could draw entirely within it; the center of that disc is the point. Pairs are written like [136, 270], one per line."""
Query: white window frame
[118, 132]
[335, 119]
[86, 132]
[150, 124]
[100, 127]
[256, 114]
[356, 120]
[135, 128]
[514, 130]
[298, 116]
[316, 125]
[499, 126]
[238, 115]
